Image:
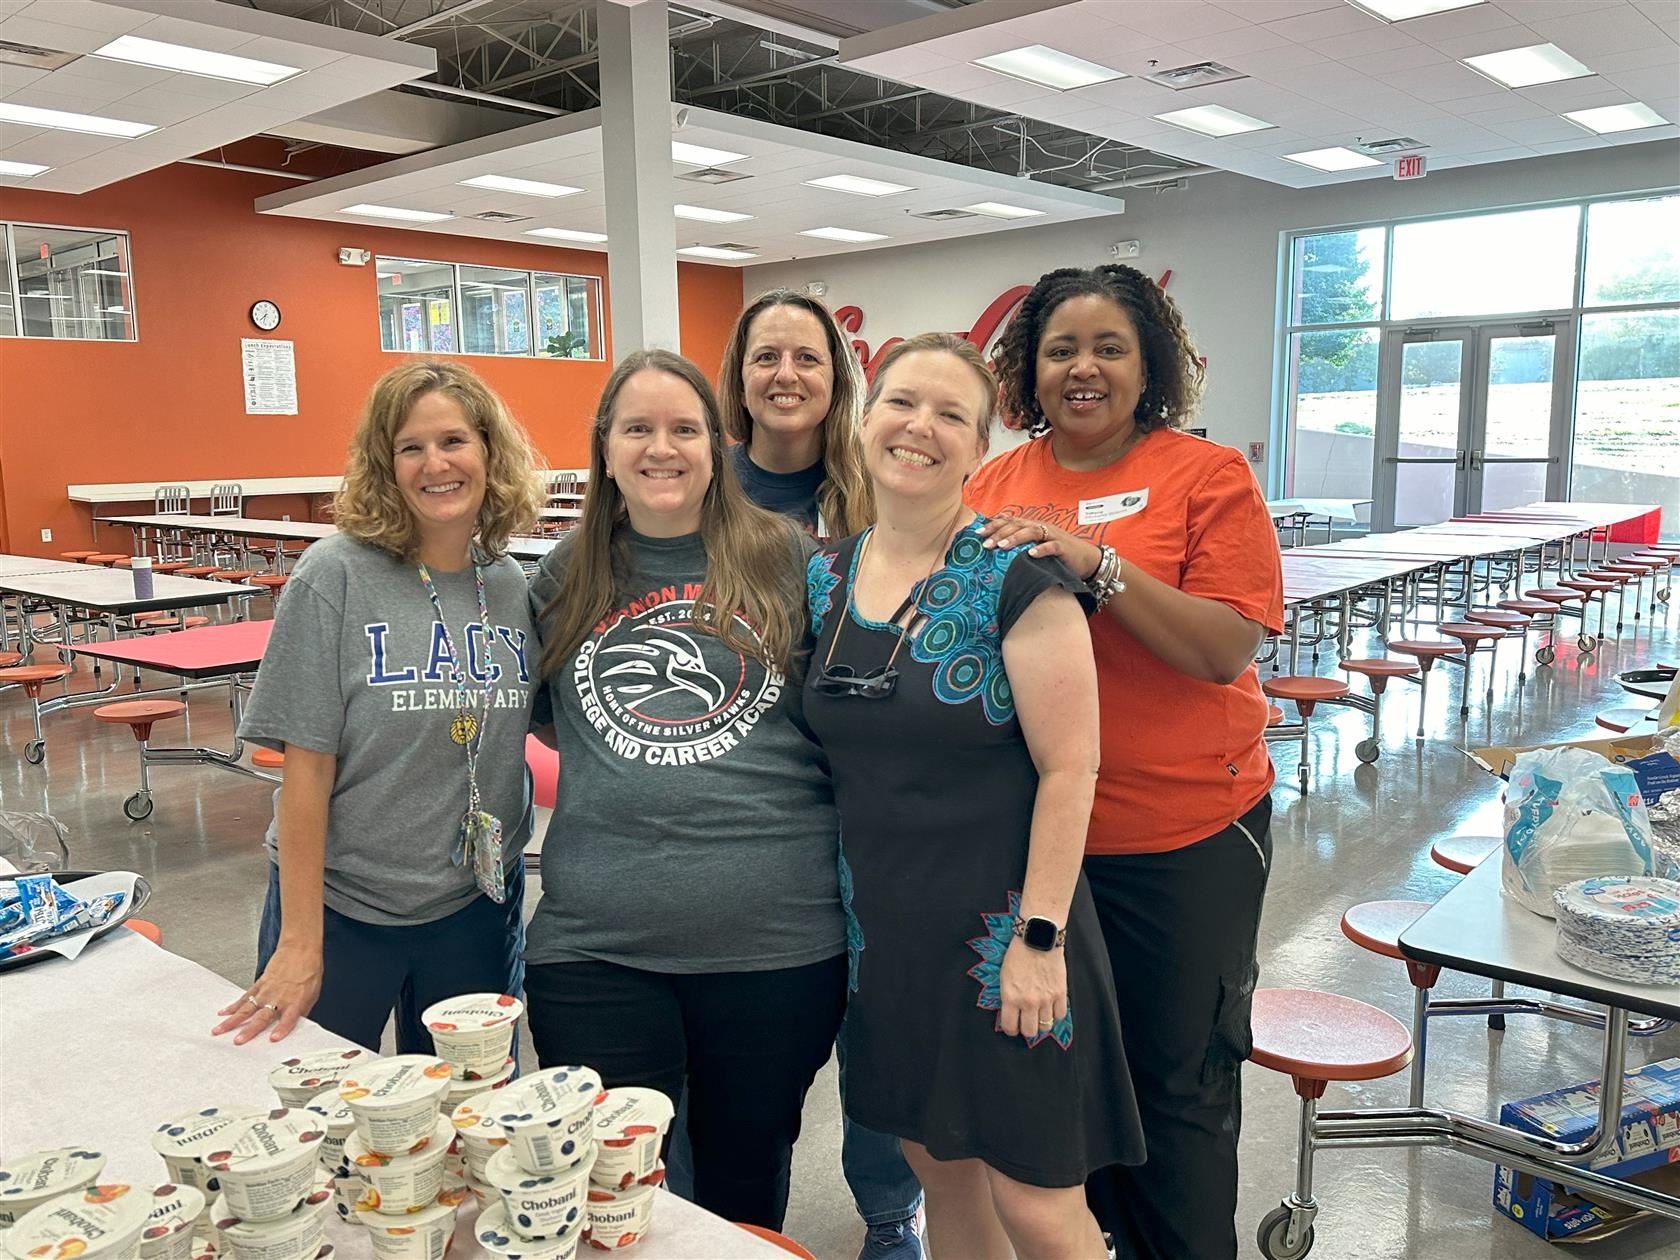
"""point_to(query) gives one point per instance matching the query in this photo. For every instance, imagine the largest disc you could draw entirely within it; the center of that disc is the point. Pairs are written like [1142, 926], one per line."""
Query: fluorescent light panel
[1332, 159]
[524, 187]
[858, 186]
[712, 251]
[63, 120]
[1611, 118]
[398, 213]
[703, 214]
[1526, 67]
[199, 61]
[1049, 67]
[568, 234]
[700, 155]
[22, 170]
[1403, 10]
[1213, 120]
[850, 235]
[1001, 210]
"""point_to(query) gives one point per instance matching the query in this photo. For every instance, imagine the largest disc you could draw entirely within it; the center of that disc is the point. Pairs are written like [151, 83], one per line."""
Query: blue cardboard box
[1650, 1139]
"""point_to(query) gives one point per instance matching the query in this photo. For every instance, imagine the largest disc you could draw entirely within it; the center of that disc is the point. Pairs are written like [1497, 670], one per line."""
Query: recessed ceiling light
[712, 251]
[1049, 67]
[524, 187]
[396, 212]
[858, 185]
[1401, 10]
[567, 234]
[850, 235]
[700, 155]
[1608, 118]
[188, 60]
[1213, 120]
[702, 214]
[62, 120]
[1525, 67]
[22, 170]
[1001, 210]
[1332, 159]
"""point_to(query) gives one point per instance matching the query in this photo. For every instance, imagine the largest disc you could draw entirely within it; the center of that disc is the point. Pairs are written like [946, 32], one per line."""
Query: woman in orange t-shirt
[1173, 535]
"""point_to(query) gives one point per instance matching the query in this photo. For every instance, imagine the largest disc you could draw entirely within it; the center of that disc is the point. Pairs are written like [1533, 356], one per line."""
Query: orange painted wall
[170, 407]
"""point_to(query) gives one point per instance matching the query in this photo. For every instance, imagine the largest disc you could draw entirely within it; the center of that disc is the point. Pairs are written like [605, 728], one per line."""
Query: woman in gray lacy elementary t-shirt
[401, 646]
[689, 933]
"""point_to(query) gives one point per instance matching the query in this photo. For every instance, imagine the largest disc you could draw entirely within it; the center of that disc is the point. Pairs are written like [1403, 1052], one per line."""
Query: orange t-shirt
[1181, 758]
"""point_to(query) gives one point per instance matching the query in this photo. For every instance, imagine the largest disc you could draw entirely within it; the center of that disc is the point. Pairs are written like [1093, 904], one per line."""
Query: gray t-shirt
[357, 666]
[694, 827]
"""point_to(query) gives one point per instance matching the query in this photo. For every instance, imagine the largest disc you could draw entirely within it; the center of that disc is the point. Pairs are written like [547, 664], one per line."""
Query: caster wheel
[35, 752]
[1367, 750]
[1273, 1237]
[138, 806]
[1587, 643]
[1545, 656]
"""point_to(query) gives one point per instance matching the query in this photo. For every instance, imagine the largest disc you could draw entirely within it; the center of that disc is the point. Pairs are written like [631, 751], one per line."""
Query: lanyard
[464, 728]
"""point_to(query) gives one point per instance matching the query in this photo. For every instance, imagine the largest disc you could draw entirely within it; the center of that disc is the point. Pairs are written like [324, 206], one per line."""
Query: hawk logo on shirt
[666, 662]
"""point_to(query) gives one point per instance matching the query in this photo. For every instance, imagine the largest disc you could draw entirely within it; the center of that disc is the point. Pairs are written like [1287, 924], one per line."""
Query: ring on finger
[1043, 533]
[269, 1006]
[253, 1001]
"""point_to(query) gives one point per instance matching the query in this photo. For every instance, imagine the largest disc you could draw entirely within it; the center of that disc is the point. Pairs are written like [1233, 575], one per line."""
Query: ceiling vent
[735, 245]
[712, 175]
[941, 215]
[1395, 144]
[502, 216]
[35, 58]
[1201, 74]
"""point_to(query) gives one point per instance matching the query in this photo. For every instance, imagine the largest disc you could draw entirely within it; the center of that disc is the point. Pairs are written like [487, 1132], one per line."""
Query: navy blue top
[792, 494]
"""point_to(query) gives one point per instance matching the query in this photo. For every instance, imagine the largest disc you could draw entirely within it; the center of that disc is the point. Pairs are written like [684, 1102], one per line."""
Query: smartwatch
[1040, 934]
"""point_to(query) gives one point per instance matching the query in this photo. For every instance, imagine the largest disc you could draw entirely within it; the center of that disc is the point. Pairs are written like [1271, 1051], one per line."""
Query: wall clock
[265, 315]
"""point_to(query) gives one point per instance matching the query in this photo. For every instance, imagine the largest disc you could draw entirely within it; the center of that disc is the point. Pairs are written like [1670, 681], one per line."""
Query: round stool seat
[1607, 575]
[1504, 618]
[1380, 667]
[138, 715]
[1274, 715]
[1326, 1037]
[1588, 586]
[145, 927]
[1462, 853]
[1620, 719]
[32, 676]
[168, 566]
[1425, 649]
[1554, 595]
[781, 1241]
[170, 622]
[1468, 632]
[1306, 687]
[267, 759]
[8, 659]
[198, 570]
[76, 555]
[105, 558]
[234, 575]
[1661, 559]
[269, 581]
[1376, 925]
[1529, 607]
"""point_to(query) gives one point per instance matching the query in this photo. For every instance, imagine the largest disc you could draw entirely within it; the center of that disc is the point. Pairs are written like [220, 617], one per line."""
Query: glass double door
[1471, 418]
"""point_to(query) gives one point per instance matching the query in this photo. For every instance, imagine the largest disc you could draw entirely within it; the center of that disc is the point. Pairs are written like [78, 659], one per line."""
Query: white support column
[635, 65]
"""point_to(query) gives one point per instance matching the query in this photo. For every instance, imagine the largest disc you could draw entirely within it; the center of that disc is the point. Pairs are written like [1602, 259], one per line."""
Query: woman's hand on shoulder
[1043, 540]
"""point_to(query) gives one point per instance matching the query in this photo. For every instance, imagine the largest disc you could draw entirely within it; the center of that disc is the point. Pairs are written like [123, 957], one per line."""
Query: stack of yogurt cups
[397, 1151]
[630, 1126]
[311, 1081]
[183, 1142]
[473, 1033]
[541, 1173]
[275, 1195]
[92, 1222]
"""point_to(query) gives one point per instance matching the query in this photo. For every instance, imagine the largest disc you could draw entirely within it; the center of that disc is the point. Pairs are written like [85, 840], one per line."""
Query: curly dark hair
[1173, 372]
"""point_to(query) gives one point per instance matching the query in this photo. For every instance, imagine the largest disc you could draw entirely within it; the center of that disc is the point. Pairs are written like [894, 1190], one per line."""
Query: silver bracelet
[1106, 582]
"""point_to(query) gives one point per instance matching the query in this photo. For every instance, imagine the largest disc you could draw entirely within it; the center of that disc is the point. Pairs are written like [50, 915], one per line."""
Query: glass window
[416, 305]
[1633, 252]
[567, 327]
[1333, 406]
[1627, 412]
[1487, 264]
[1338, 277]
[72, 283]
[8, 303]
[495, 311]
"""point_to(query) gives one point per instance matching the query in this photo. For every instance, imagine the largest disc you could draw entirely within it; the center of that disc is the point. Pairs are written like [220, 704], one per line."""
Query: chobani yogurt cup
[184, 1141]
[169, 1224]
[618, 1218]
[630, 1124]
[399, 1184]
[266, 1164]
[547, 1118]
[478, 1134]
[295, 1236]
[299, 1081]
[395, 1101]
[336, 1118]
[348, 1189]
[540, 1205]
[499, 1238]
[474, 1032]
[460, 1091]
[423, 1235]
[97, 1222]
[29, 1182]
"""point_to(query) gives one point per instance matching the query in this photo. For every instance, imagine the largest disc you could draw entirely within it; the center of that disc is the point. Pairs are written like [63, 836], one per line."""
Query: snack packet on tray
[34, 909]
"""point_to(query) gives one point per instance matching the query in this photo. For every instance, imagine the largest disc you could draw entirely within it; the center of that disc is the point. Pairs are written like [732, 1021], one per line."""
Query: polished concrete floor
[1363, 833]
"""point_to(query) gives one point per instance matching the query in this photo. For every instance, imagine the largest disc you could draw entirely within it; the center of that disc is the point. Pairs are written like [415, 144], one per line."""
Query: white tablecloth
[100, 1051]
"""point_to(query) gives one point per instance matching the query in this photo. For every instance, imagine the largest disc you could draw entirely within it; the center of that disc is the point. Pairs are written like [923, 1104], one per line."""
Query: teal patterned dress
[936, 788]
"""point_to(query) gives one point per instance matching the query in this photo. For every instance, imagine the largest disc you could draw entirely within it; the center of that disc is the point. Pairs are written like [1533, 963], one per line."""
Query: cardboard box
[1650, 1139]
[1559, 1215]
[1655, 772]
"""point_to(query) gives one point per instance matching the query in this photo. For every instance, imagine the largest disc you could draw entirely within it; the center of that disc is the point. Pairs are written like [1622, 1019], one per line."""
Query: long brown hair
[752, 556]
[370, 507]
[844, 497]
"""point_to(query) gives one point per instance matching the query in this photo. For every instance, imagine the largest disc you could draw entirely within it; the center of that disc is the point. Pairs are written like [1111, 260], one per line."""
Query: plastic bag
[34, 842]
[1570, 814]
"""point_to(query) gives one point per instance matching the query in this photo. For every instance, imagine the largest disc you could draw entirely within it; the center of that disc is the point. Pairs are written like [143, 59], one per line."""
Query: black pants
[1181, 932]
[746, 1044]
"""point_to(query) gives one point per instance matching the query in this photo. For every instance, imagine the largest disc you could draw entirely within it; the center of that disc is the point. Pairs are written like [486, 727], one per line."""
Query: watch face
[266, 316]
[1040, 934]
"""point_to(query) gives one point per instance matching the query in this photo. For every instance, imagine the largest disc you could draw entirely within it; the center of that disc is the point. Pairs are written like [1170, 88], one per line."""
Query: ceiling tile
[1644, 83]
[183, 30]
[56, 148]
[1527, 10]
[1537, 130]
[1395, 59]
[1496, 39]
[1343, 19]
[1583, 35]
[1172, 20]
[27, 28]
[1236, 42]
[108, 19]
[1383, 39]
[14, 77]
[1574, 94]
[1447, 82]
[1570, 146]
[1285, 61]
[1659, 54]
[1665, 13]
[1274, 10]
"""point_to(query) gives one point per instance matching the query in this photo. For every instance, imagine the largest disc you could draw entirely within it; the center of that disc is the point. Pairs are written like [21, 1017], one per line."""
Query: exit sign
[1409, 167]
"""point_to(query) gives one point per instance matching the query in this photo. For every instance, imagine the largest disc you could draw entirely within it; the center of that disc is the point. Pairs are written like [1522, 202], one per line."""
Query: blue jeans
[369, 969]
[883, 1187]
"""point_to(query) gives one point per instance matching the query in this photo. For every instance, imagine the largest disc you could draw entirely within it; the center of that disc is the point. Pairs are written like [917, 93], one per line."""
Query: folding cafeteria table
[247, 527]
[1299, 514]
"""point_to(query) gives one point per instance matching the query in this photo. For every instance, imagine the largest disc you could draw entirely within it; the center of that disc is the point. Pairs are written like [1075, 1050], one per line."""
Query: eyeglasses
[843, 680]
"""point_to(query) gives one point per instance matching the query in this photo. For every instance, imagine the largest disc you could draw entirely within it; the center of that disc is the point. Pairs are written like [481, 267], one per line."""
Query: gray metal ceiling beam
[442, 15]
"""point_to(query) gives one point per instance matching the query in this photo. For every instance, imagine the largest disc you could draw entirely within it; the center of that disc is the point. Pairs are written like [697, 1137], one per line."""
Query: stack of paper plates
[1628, 928]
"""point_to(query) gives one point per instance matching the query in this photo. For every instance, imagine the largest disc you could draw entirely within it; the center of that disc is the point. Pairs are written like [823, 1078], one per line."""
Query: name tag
[1112, 507]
